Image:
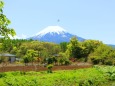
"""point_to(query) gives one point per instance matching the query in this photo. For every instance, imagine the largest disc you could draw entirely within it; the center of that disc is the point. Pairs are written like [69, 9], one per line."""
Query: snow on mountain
[54, 34]
[51, 29]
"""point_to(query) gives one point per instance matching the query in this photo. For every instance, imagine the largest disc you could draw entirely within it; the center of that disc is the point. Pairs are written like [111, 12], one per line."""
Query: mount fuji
[54, 34]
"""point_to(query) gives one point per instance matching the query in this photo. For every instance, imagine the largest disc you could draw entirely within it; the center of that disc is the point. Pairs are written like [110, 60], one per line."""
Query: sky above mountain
[90, 19]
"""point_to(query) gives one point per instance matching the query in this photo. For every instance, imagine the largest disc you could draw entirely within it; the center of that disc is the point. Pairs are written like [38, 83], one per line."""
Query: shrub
[67, 62]
[2, 75]
[49, 68]
[109, 62]
[95, 61]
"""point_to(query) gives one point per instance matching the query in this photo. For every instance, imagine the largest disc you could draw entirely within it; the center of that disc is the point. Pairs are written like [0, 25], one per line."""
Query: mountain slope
[113, 46]
[54, 34]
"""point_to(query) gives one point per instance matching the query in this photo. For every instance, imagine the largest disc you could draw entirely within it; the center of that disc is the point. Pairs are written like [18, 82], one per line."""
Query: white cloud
[22, 36]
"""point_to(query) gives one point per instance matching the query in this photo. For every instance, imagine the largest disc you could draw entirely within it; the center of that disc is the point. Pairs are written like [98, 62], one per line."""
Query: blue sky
[90, 19]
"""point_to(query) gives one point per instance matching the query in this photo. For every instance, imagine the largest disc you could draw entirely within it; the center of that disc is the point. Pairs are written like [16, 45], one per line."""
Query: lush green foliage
[4, 22]
[89, 51]
[104, 55]
[63, 46]
[49, 66]
[96, 76]
[74, 48]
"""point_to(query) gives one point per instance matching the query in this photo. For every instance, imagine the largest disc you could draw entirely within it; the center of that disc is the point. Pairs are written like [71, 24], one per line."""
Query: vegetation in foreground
[96, 76]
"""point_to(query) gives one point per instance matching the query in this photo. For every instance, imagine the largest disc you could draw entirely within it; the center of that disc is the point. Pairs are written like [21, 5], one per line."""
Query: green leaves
[97, 76]
[1, 4]
[5, 31]
[74, 48]
[103, 54]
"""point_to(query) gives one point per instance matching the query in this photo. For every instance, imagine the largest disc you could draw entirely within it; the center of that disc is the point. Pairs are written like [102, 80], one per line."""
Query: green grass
[96, 76]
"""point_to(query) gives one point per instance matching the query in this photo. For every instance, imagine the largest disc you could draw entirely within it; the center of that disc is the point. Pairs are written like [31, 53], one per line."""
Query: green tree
[63, 46]
[88, 46]
[62, 59]
[102, 54]
[74, 48]
[7, 45]
[4, 22]
[29, 57]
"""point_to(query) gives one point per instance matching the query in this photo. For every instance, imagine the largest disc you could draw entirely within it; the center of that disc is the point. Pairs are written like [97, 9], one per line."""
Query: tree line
[92, 51]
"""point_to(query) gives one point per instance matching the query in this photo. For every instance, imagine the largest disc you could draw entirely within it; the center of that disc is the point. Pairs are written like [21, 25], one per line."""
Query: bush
[67, 62]
[49, 68]
[109, 62]
[2, 75]
[95, 61]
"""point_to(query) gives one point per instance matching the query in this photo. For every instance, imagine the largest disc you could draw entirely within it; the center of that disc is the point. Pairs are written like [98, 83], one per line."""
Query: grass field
[96, 76]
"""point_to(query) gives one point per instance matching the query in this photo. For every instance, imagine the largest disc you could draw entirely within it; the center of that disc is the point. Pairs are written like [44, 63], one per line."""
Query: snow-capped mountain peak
[54, 34]
[52, 29]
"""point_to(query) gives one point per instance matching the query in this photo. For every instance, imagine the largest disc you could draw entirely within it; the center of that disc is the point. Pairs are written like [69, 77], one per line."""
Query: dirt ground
[41, 68]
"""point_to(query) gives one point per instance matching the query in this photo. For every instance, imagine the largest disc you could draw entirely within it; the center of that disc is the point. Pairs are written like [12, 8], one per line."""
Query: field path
[41, 68]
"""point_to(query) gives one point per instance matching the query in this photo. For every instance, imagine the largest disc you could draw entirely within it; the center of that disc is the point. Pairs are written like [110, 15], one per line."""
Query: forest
[92, 51]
